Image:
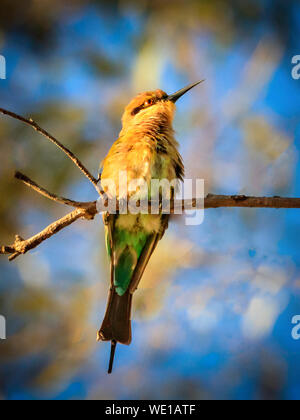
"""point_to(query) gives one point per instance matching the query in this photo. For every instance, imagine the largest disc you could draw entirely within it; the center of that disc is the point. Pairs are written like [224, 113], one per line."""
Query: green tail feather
[130, 251]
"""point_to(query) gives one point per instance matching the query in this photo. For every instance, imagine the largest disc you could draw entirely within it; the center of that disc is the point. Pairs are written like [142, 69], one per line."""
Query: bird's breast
[137, 162]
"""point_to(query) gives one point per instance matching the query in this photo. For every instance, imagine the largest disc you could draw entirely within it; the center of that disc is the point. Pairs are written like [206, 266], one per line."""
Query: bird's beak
[175, 96]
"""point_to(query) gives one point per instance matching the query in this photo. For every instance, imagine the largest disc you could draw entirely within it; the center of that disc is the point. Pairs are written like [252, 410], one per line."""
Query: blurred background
[212, 317]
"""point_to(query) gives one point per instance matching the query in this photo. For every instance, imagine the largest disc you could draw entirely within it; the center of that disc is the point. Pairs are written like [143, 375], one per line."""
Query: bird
[146, 149]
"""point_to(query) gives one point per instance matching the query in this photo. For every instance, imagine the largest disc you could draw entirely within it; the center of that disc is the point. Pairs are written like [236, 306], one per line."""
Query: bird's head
[152, 107]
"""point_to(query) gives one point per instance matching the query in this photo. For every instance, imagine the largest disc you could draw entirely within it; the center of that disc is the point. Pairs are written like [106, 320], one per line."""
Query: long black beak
[175, 96]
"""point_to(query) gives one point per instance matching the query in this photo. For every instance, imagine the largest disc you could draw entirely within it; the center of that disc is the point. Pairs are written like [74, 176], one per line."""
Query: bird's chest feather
[146, 160]
[139, 161]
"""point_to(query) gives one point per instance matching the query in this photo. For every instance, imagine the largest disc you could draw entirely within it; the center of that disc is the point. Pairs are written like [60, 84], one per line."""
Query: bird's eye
[148, 102]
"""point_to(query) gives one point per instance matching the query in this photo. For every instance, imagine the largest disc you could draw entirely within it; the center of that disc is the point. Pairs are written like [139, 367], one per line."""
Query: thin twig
[68, 152]
[31, 184]
[21, 246]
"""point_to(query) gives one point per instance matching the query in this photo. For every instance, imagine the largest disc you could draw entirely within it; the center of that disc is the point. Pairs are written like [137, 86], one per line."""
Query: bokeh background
[212, 318]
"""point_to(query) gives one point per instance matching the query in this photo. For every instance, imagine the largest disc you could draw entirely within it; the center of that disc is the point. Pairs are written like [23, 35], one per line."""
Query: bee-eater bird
[145, 150]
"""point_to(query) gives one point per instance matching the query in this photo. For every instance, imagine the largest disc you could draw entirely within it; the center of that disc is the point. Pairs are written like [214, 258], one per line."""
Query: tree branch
[33, 185]
[68, 152]
[21, 246]
[215, 201]
[90, 209]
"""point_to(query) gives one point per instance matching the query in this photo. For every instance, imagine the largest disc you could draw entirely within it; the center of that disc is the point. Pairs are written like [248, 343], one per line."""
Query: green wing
[129, 251]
